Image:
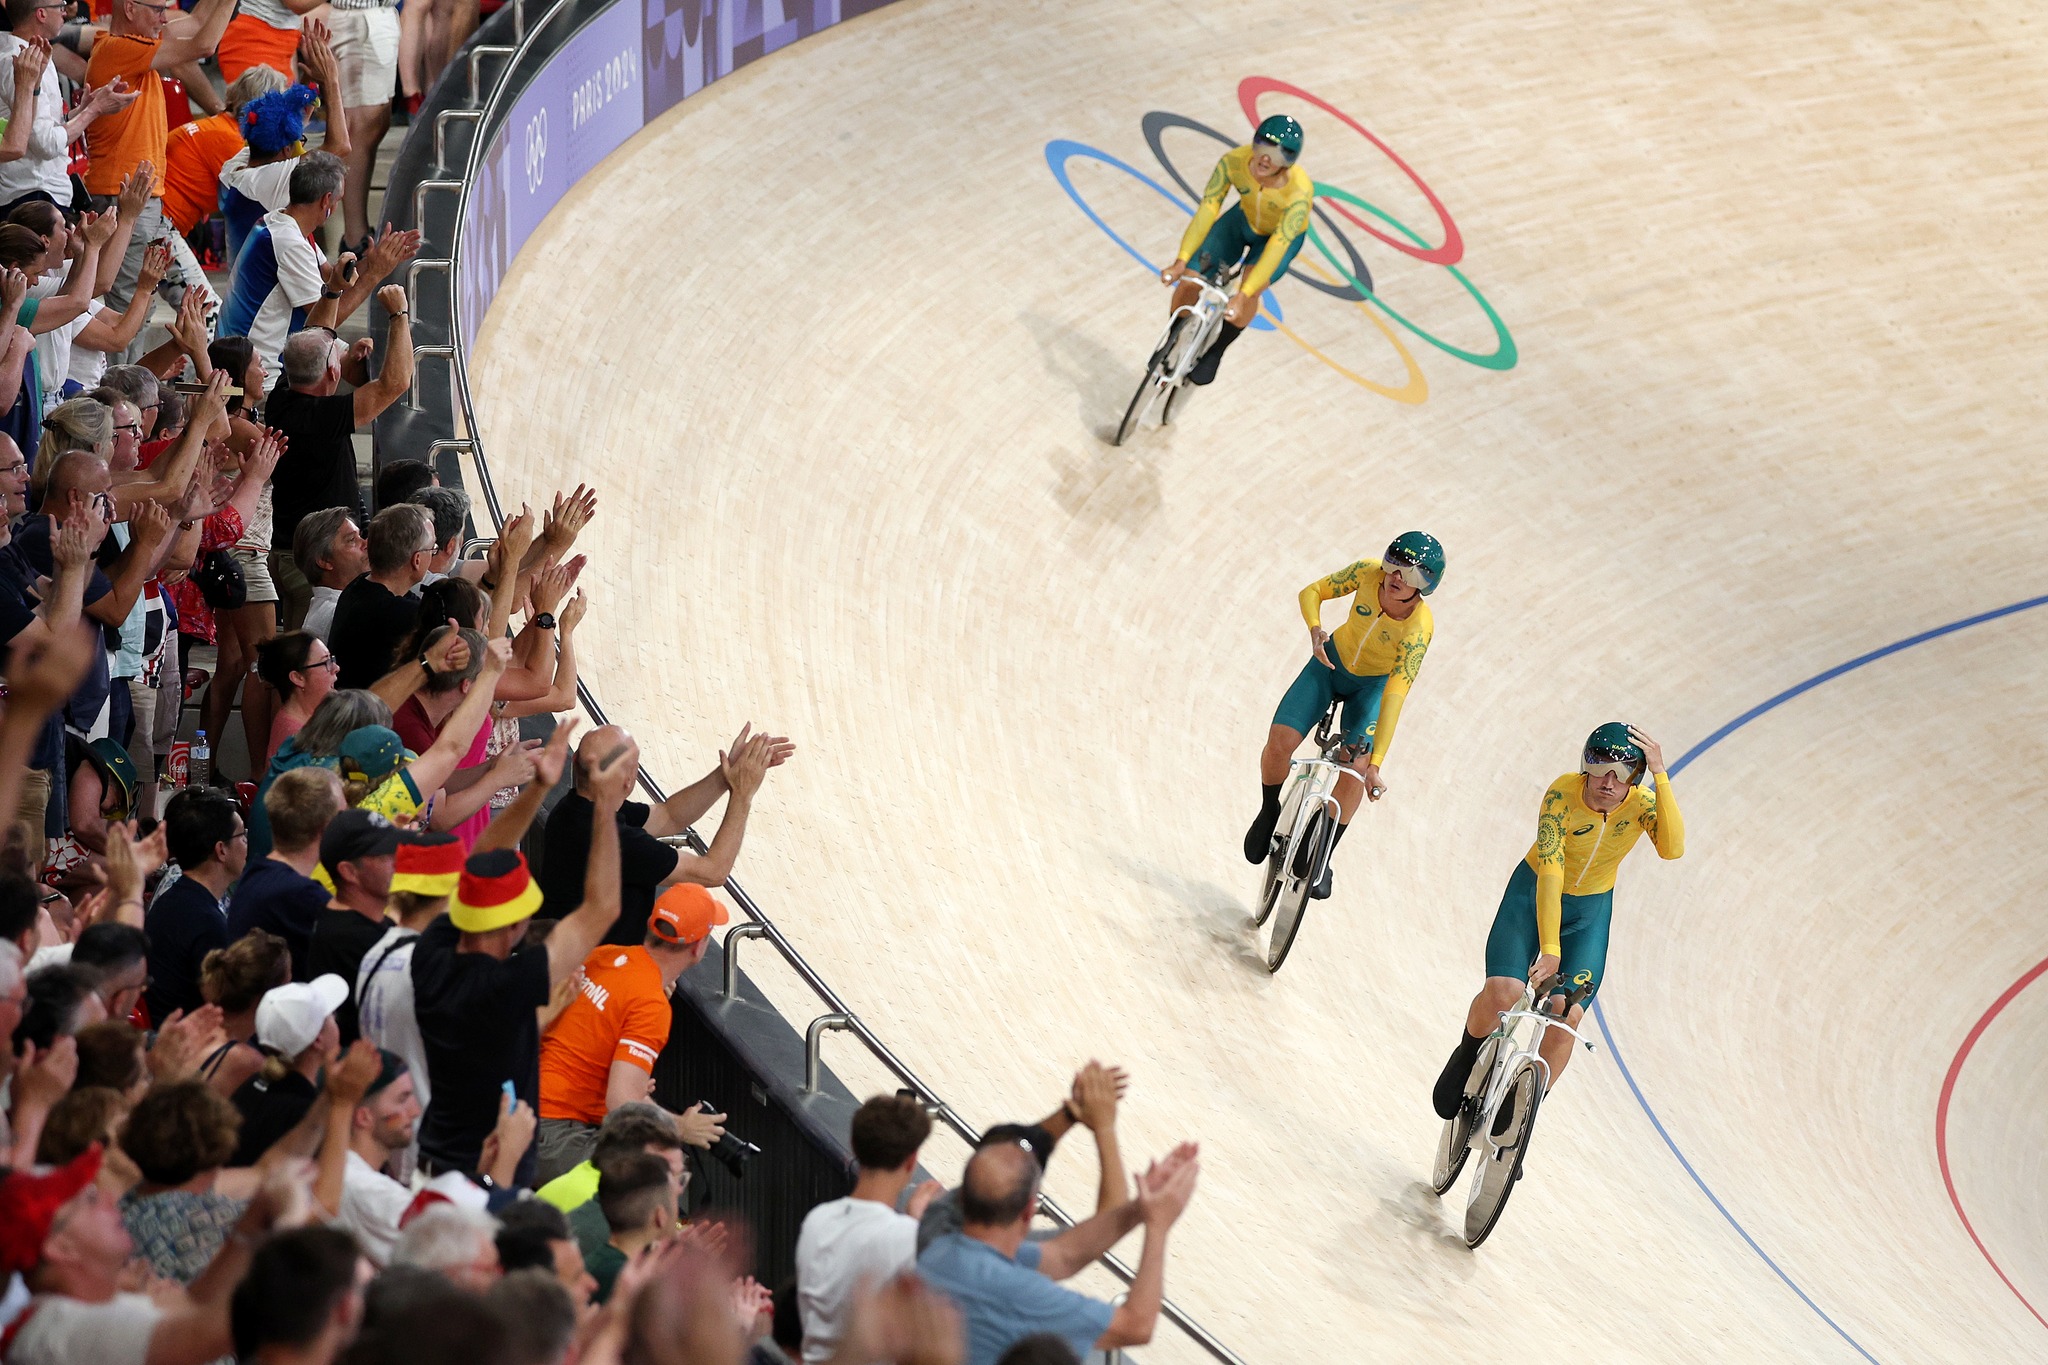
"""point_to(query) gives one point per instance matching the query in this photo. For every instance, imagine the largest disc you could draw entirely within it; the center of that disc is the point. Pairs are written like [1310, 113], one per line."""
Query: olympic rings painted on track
[1061, 151]
[1503, 355]
[1155, 125]
[1416, 390]
[1450, 253]
[1358, 282]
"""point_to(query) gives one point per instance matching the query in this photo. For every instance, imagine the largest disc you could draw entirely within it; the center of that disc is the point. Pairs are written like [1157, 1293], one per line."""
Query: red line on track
[1948, 1088]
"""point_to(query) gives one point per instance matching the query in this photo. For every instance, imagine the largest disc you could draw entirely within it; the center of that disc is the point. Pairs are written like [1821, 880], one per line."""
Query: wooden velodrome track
[841, 353]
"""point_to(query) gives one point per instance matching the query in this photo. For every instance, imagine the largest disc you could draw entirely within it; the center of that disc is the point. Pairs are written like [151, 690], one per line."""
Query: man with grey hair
[450, 510]
[379, 611]
[459, 1243]
[281, 281]
[138, 384]
[319, 422]
[329, 549]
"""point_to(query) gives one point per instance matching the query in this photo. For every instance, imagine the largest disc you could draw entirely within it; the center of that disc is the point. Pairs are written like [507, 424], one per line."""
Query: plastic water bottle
[202, 761]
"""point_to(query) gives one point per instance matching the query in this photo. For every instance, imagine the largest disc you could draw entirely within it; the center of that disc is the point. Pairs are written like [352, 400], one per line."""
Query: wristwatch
[544, 621]
[426, 667]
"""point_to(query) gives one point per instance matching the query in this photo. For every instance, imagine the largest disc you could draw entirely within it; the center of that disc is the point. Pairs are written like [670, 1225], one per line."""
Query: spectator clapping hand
[391, 250]
[316, 54]
[136, 191]
[30, 62]
[515, 767]
[567, 518]
[98, 228]
[259, 461]
[112, 97]
[746, 764]
[156, 263]
[183, 1042]
[1096, 1093]
[753, 1307]
[42, 1076]
[284, 1200]
[572, 615]
[1167, 1184]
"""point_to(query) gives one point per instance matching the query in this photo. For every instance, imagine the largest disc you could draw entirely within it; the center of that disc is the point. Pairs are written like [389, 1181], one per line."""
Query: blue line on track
[1600, 1014]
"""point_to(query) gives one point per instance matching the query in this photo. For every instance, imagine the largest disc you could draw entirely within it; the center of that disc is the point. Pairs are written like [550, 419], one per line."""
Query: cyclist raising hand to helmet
[1555, 912]
[1369, 663]
[1268, 223]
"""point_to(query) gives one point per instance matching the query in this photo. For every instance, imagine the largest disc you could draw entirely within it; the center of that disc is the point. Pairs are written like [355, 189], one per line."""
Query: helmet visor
[1610, 765]
[1407, 572]
[1272, 149]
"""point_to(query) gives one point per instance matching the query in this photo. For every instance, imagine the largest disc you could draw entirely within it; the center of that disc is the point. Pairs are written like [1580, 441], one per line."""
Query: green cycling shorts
[1514, 944]
[1318, 684]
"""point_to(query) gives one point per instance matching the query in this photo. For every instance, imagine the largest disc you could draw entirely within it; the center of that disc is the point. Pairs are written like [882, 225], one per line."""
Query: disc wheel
[1291, 902]
[1500, 1166]
[1455, 1145]
[1276, 862]
[1176, 403]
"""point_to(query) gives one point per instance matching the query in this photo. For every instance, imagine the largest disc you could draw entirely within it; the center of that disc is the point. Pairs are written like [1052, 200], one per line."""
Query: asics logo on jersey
[1581, 830]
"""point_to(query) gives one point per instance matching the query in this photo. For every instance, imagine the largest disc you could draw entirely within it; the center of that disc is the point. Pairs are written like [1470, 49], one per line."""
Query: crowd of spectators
[343, 1044]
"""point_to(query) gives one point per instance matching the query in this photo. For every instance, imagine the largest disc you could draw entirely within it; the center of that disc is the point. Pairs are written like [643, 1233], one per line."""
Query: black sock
[1338, 837]
[1258, 840]
[1450, 1085]
[1204, 370]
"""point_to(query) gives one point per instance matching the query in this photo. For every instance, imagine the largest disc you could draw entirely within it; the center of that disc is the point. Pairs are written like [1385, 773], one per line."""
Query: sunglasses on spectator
[105, 503]
[135, 427]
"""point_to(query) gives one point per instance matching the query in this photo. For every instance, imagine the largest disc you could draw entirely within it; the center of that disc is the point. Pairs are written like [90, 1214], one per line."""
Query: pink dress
[419, 734]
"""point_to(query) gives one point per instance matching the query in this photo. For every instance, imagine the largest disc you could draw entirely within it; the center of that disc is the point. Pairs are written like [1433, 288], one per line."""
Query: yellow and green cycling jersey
[1279, 215]
[1371, 643]
[1578, 850]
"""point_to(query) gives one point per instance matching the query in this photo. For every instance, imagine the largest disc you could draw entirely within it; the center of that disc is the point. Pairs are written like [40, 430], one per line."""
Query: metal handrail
[838, 1017]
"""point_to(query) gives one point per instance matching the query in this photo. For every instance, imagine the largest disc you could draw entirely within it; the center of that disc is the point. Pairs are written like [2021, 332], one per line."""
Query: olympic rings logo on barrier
[1345, 279]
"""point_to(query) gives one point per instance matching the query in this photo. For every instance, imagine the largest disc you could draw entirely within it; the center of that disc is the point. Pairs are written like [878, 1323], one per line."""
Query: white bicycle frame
[1504, 1069]
[1207, 307]
[1319, 774]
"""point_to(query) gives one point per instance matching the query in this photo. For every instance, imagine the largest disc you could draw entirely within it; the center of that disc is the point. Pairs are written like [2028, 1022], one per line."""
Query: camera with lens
[732, 1153]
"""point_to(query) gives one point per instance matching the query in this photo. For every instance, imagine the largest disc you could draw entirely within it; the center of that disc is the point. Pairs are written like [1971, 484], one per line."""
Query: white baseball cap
[288, 1018]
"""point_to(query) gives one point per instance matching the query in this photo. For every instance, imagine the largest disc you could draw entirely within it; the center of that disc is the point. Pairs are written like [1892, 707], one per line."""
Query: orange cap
[684, 914]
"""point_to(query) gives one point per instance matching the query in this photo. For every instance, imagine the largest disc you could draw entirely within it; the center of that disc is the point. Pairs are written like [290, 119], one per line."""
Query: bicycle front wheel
[1455, 1145]
[1299, 877]
[1501, 1166]
[1141, 402]
[1275, 879]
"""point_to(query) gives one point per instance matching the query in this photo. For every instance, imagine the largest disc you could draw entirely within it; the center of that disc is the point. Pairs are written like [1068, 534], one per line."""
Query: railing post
[419, 353]
[441, 122]
[477, 54]
[732, 956]
[420, 193]
[814, 1040]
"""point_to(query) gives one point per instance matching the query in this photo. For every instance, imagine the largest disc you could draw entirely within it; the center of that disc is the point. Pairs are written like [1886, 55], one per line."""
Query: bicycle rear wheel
[1455, 1145]
[1501, 1166]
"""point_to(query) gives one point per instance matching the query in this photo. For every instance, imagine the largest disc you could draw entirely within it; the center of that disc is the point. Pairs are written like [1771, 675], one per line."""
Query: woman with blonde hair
[74, 424]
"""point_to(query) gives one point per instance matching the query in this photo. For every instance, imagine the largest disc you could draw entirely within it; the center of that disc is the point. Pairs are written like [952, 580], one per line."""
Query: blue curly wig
[274, 122]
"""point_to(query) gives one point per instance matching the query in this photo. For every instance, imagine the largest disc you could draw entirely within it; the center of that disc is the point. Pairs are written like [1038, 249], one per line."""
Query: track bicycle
[1189, 330]
[1497, 1119]
[1302, 840]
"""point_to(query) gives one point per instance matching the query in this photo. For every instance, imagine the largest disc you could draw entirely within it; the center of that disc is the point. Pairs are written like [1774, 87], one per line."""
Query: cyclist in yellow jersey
[1369, 664]
[1555, 913]
[1268, 224]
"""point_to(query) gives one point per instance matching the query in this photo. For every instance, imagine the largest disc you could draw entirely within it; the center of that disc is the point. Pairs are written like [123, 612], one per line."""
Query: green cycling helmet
[1280, 130]
[1418, 559]
[1611, 744]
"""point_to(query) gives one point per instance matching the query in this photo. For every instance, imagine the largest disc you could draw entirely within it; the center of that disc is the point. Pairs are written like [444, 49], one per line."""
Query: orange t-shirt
[116, 144]
[193, 157]
[621, 1015]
